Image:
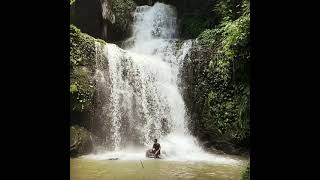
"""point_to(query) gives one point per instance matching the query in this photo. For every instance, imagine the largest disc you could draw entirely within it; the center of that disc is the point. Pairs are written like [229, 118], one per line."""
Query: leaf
[73, 88]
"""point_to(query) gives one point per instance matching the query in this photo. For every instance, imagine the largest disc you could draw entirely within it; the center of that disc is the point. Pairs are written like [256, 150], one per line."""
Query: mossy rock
[220, 64]
[81, 141]
[82, 48]
[122, 10]
[82, 88]
[83, 54]
[220, 94]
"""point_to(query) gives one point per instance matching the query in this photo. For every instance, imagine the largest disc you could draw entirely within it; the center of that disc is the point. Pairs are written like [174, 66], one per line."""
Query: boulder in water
[150, 154]
[81, 141]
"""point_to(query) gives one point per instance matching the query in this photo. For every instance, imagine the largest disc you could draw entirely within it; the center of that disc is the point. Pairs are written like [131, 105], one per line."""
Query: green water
[153, 169]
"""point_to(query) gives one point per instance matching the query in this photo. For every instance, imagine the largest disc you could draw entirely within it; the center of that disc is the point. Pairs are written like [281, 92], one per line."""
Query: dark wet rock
[87, 15]
[109, 20]
[81, 141]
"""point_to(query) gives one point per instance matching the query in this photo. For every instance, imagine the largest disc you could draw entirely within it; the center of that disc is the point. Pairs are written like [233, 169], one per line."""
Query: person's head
[155, 141]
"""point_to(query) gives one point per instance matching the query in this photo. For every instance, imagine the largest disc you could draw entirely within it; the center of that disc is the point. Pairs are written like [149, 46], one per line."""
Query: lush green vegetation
[82, 67]
[246, 173]
[72, 1]
[122, 10]
[231, 36]
[82, 48]
[222, 86]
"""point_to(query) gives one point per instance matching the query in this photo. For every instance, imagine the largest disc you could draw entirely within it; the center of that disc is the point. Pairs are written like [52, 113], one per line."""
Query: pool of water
[155, 169]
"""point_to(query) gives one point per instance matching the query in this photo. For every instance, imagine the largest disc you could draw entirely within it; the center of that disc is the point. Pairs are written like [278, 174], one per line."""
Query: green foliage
[72, 1]
[81, 88]
[209, 37]
[235, 35]
[228, 9]
[82, 48]
[101, 41]
[227, 109]
[82, 64]
[229, 37]
[73, 88]
[121, 10]
[246, 173]
[222, 88]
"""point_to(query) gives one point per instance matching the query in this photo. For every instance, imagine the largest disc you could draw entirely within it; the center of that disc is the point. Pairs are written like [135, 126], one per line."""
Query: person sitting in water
[156, 148]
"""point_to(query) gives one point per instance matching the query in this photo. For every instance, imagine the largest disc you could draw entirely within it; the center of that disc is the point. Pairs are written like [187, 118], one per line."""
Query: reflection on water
[153, 169]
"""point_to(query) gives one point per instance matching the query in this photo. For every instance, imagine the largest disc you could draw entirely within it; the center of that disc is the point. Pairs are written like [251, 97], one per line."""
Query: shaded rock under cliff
[81, 141]
[109, 20]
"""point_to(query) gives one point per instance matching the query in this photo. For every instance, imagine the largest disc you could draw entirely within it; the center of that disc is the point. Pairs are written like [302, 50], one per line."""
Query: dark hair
[156, 139]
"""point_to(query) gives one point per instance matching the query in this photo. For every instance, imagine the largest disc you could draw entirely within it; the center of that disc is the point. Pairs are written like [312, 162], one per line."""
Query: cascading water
[139, 90]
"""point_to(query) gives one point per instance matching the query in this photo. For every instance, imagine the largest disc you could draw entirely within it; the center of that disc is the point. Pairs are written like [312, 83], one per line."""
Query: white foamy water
[139, 88]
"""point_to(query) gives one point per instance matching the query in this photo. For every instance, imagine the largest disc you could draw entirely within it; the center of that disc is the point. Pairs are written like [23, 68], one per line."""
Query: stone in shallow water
[81, 141]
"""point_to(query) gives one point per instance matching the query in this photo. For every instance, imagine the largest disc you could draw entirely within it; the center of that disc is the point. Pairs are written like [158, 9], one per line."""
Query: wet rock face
[223, 147]
[109, 20]
[120, 27]
[191, 74]
[204, 124]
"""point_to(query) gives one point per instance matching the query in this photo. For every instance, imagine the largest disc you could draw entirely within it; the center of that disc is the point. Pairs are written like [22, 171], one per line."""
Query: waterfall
[140, 89]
